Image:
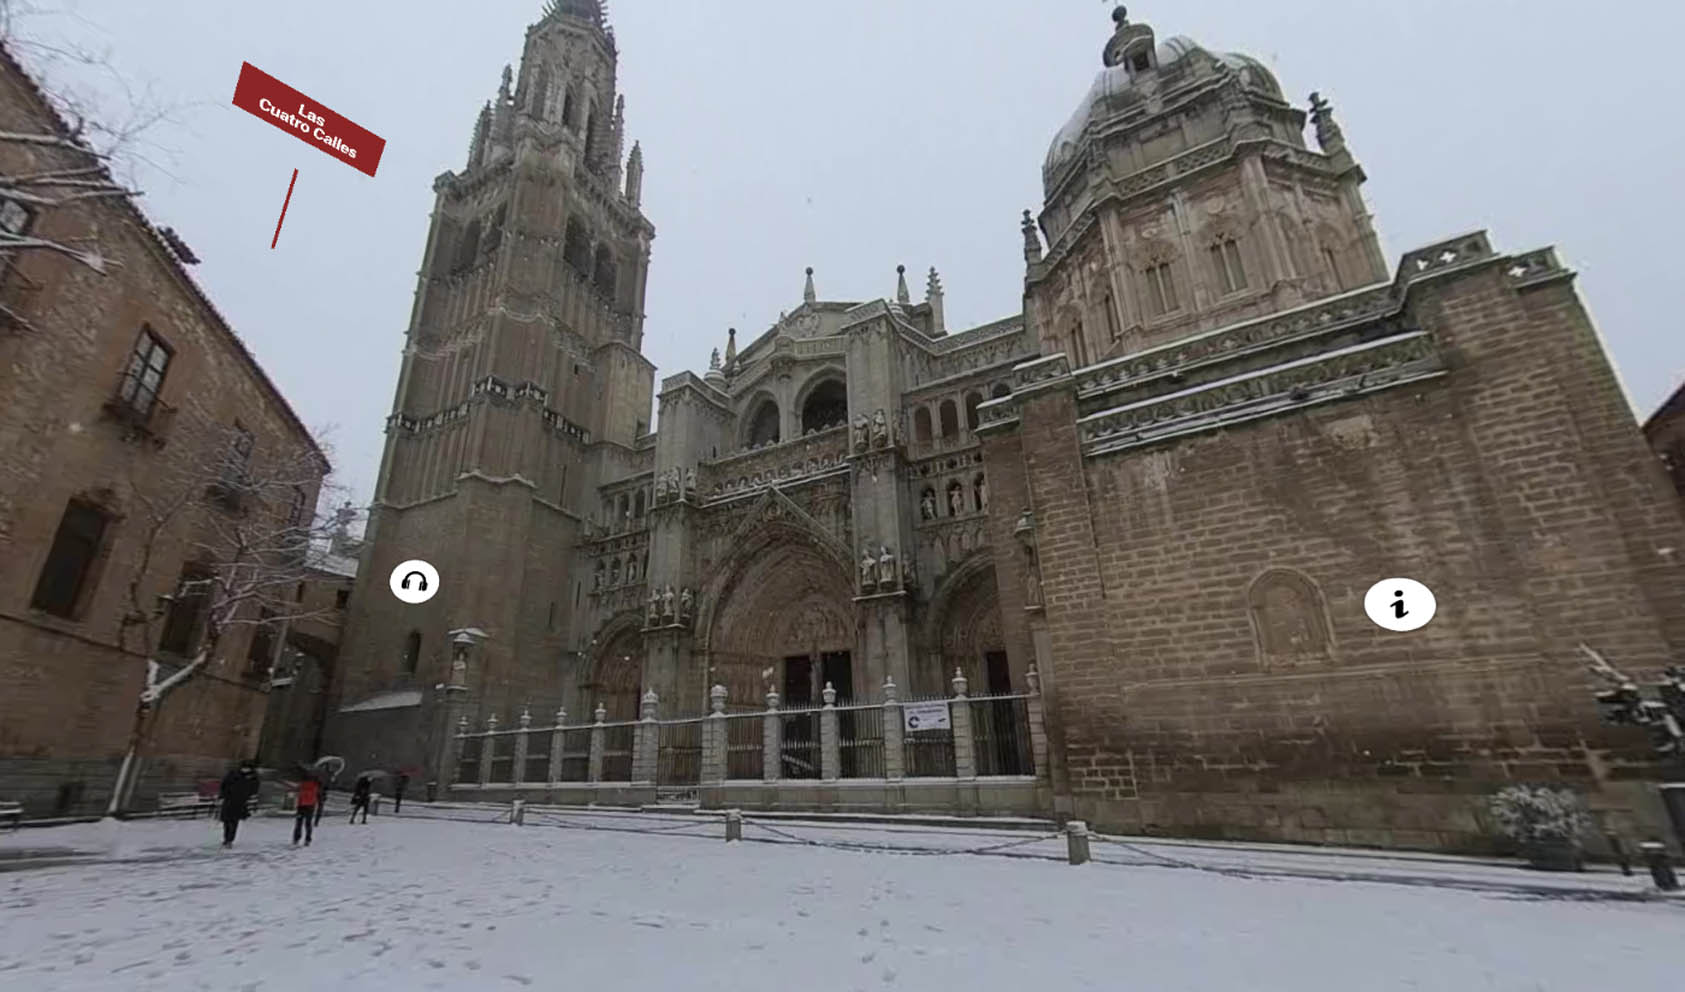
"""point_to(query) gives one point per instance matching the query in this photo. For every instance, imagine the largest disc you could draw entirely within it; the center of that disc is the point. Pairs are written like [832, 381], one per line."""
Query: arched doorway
[825, 406]
[616, 678]
[965, 635]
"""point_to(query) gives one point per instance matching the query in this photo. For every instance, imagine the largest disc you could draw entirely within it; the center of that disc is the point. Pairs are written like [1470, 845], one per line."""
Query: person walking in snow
[309, 801]
[239, 788]
[398, 793]
[361, 794]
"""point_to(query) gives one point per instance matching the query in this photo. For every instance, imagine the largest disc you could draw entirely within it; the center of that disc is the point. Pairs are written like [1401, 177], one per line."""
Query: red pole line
[283, 216]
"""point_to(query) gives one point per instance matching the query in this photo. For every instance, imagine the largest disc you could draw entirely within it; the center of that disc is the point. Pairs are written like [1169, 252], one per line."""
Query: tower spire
[1032, 240]
[901, 294]
[635, 176]
[808, 295]
[933, 297]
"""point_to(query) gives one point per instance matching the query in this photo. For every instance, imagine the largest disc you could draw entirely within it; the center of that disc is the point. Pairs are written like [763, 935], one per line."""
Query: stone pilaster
[596, 759]
[830, 744]
[646, 741]
[714, 738]
[959, 719]
[554, 775]
[894, 757]
[523, 740]
[772, 740]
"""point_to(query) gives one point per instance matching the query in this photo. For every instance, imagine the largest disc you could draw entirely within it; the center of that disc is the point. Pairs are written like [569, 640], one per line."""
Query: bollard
[518, 812]
[1076, 841]
[1619, 851]
[733, 825]
[1661, 868]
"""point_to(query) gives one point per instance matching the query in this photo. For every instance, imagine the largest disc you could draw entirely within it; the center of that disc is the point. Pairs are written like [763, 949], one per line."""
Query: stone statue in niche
[927, 505]
[982, 494]
[880, 430]
[1032, 578]
[861, 427]
[686, 602]
[667, 602]
[868, 567]
[909, 575]
[956, 502]
[654, 615]
[690, 480]
[1288, 615]
[886, 567]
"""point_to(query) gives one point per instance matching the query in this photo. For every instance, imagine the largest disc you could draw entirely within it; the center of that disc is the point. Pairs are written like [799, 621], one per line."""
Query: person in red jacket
[304, 821]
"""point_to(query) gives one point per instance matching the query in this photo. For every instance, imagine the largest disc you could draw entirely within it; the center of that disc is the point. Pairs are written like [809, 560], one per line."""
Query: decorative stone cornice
[1340, 374]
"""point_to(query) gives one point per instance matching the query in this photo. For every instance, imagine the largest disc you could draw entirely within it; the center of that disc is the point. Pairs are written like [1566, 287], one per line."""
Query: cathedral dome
[1135, 68]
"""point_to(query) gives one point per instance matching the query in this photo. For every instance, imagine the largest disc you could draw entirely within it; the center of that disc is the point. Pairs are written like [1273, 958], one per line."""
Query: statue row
[878, 573]
[666, 607]
[674, 484]
[873, 433]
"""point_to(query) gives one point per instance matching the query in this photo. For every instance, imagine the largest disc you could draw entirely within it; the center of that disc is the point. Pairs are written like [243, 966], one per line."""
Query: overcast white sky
[854, 136]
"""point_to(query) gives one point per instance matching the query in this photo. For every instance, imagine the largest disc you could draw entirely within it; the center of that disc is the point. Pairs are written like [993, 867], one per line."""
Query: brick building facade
[115, 383]
[1166, 484]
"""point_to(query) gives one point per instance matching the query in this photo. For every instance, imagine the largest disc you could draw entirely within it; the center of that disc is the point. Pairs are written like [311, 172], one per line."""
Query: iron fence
[538, 757]
[1000, 732]
[576, 755]
[679, 753]
[801, 754]
[929, 753]
[502, 757]
[468, 763]
[860, 741]
[745, 746]
[617, 752]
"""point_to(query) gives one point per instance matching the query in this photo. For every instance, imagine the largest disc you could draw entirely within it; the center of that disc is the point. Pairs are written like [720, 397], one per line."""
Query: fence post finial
[561, 716]
[889, 690]
[648, 705]
[526, 717]
[772, 699]
[1033, 677]
[716, 698]
[829, 694]
[462, 724]
[491, 723]
[602, 712]
[960, 683]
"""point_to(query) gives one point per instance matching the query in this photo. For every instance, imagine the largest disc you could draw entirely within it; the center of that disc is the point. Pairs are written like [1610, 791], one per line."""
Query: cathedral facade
[1165, 485]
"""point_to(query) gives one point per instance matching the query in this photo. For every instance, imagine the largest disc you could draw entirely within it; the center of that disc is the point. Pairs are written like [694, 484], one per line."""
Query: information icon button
[1400, 604]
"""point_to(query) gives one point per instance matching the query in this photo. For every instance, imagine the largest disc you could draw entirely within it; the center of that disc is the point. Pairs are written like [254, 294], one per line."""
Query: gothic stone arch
[961, 627]
[616, 676]
[780, 592]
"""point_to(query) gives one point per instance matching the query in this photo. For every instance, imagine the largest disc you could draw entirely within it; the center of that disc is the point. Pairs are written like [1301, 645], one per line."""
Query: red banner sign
[259, 93]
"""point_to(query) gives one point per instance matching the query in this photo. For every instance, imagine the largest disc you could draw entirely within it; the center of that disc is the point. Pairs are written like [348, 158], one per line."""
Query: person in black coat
[239, 788]
[361, 793]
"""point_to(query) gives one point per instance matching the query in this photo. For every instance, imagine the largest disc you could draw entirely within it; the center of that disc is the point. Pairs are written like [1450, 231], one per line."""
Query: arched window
[412, 652]
[622, 509]
[1226, 264]
[1161, 289]
[921, 424]
[576, 246]
[956, 498]
[979, 493]
[999, 390]
[602, 273]
[570, 112]
[826, 406]
[590, 134]
[763, 425]
[950, 419]
[614, 572]
[1113, 331]
[539, 100]
[468, 249]
[972, 401]
[638, 504]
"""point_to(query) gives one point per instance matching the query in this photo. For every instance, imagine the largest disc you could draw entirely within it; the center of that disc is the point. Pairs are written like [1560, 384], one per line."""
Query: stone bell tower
[1181, 196]
[521, 358]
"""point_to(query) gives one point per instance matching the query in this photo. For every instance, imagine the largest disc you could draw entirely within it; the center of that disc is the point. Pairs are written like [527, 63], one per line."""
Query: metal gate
[678, 759]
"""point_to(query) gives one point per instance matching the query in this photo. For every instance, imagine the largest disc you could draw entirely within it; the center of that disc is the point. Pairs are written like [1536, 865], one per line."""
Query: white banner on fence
[925, 716]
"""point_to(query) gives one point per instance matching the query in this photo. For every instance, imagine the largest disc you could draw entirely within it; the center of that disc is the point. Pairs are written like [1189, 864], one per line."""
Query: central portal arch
[785, 618]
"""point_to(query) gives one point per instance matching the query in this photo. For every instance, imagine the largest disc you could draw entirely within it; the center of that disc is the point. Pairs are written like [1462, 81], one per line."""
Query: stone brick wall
[72, 683]
[1517, 488]
[1665, 430]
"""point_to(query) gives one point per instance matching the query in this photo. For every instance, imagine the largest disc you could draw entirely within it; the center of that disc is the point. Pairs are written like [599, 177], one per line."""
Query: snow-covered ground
[411, 903]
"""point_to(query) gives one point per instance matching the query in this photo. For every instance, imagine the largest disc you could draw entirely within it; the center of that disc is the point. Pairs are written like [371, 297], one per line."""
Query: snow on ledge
[386, 701]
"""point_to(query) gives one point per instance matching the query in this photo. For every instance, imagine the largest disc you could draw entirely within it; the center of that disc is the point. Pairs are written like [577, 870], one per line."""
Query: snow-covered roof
[397, 700]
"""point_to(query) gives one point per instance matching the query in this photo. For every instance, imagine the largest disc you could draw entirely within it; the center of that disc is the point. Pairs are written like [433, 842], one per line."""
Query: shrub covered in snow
[1531, 814]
